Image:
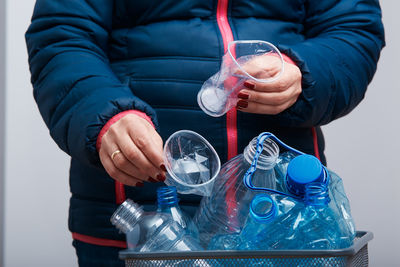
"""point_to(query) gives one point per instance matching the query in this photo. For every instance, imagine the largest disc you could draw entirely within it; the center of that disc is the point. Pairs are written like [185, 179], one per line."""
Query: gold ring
[115, 153]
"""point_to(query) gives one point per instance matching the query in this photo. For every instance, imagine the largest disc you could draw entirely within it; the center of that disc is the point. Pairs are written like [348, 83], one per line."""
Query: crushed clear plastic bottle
[339, 201]
[151, 231]
[225, 211]
[291, 178]
[272, 223]
[167, 202]
[281, 222]
[322, 226]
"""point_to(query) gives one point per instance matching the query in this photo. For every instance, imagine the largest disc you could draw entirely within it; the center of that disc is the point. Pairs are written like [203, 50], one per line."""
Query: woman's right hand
[131, 151]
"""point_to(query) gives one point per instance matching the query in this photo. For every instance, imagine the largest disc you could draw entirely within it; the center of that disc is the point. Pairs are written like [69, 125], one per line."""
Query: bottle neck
[263, 208]
[127, 216]
[317, 194]
[268, 157]
[167, 197]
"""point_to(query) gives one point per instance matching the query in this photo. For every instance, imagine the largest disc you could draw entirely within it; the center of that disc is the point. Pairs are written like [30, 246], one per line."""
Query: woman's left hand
[269, 98]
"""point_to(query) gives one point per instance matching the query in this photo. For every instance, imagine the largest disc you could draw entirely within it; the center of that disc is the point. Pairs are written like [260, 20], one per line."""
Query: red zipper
[231, 116]
[315, 142]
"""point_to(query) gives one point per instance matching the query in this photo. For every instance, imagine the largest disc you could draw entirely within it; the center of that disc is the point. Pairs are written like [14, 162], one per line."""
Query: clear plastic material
[313, 224]
[339, 201]
[167, 202]
[192, 163]
[219, 93]
[271, 224]
[222, 216]
[151, 231]
[226, 210]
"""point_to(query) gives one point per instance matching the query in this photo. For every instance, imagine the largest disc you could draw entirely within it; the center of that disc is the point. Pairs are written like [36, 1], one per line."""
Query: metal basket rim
[361, 240]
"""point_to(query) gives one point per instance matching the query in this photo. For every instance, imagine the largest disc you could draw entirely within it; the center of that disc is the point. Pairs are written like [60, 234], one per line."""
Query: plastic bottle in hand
[167, 202]
[151, 231]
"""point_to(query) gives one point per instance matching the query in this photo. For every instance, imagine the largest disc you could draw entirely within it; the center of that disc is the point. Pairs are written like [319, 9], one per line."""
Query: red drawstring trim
[99, 241]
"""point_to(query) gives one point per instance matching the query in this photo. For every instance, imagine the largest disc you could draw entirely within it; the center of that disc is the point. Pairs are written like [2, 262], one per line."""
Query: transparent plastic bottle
[167, 202]
[272, 223]
[322, 225]
[281, 169]
[151, 231]
[225, 211]
[221, 217]
[298, 170]
[281, 222]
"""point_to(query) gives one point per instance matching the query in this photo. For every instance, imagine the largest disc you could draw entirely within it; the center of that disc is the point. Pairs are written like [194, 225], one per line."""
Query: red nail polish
[151, 179]
[243, 95]
[242, 104]
[249, 85]
[161, 177]
[139, 184]
[162, 167]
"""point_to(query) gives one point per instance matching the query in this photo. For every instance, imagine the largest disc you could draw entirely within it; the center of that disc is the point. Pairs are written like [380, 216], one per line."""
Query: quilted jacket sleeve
[74, 87]
[338, 58]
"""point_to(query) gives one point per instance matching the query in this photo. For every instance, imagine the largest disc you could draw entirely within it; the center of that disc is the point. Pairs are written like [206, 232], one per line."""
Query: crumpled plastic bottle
[167, 202]
[151, 231]
[225, 211]
[281, 222]
[261, 169]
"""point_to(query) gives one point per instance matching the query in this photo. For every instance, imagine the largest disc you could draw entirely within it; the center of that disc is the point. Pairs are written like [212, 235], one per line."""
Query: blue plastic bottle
[167, 202]
[313, 222]
[272, 223]
[304, 170]
[280, 222]
[322, 226]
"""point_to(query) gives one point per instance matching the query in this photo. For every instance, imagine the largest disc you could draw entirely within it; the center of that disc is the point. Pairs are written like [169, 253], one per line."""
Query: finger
[271, 98]
[120, 162]
[133, 161]
[117, 174]
[290, 76]
[149, 145]
[263, 67]
[118, 140]
[123, 164]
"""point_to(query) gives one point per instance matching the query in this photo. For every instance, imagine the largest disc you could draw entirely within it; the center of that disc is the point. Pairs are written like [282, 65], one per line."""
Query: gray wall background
[364, 146]
[361, 147]
[2, 118]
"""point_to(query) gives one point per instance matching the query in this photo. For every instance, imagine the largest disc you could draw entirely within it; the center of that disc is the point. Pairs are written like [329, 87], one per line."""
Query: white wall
[36, 189]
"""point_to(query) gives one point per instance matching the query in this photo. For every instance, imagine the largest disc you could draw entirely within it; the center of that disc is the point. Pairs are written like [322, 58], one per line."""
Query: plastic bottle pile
[260, 200]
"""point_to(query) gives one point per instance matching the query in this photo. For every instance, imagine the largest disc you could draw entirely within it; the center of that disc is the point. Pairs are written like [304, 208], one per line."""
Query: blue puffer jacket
[92, 59]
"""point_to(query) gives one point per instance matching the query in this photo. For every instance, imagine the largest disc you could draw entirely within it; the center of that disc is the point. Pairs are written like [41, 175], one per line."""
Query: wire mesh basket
[356, 255]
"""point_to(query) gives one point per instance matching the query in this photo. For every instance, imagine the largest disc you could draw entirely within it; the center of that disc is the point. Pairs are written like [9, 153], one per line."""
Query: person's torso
[164, 51]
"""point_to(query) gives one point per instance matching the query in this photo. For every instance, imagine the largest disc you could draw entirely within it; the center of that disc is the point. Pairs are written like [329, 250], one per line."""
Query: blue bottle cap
[302, 170]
